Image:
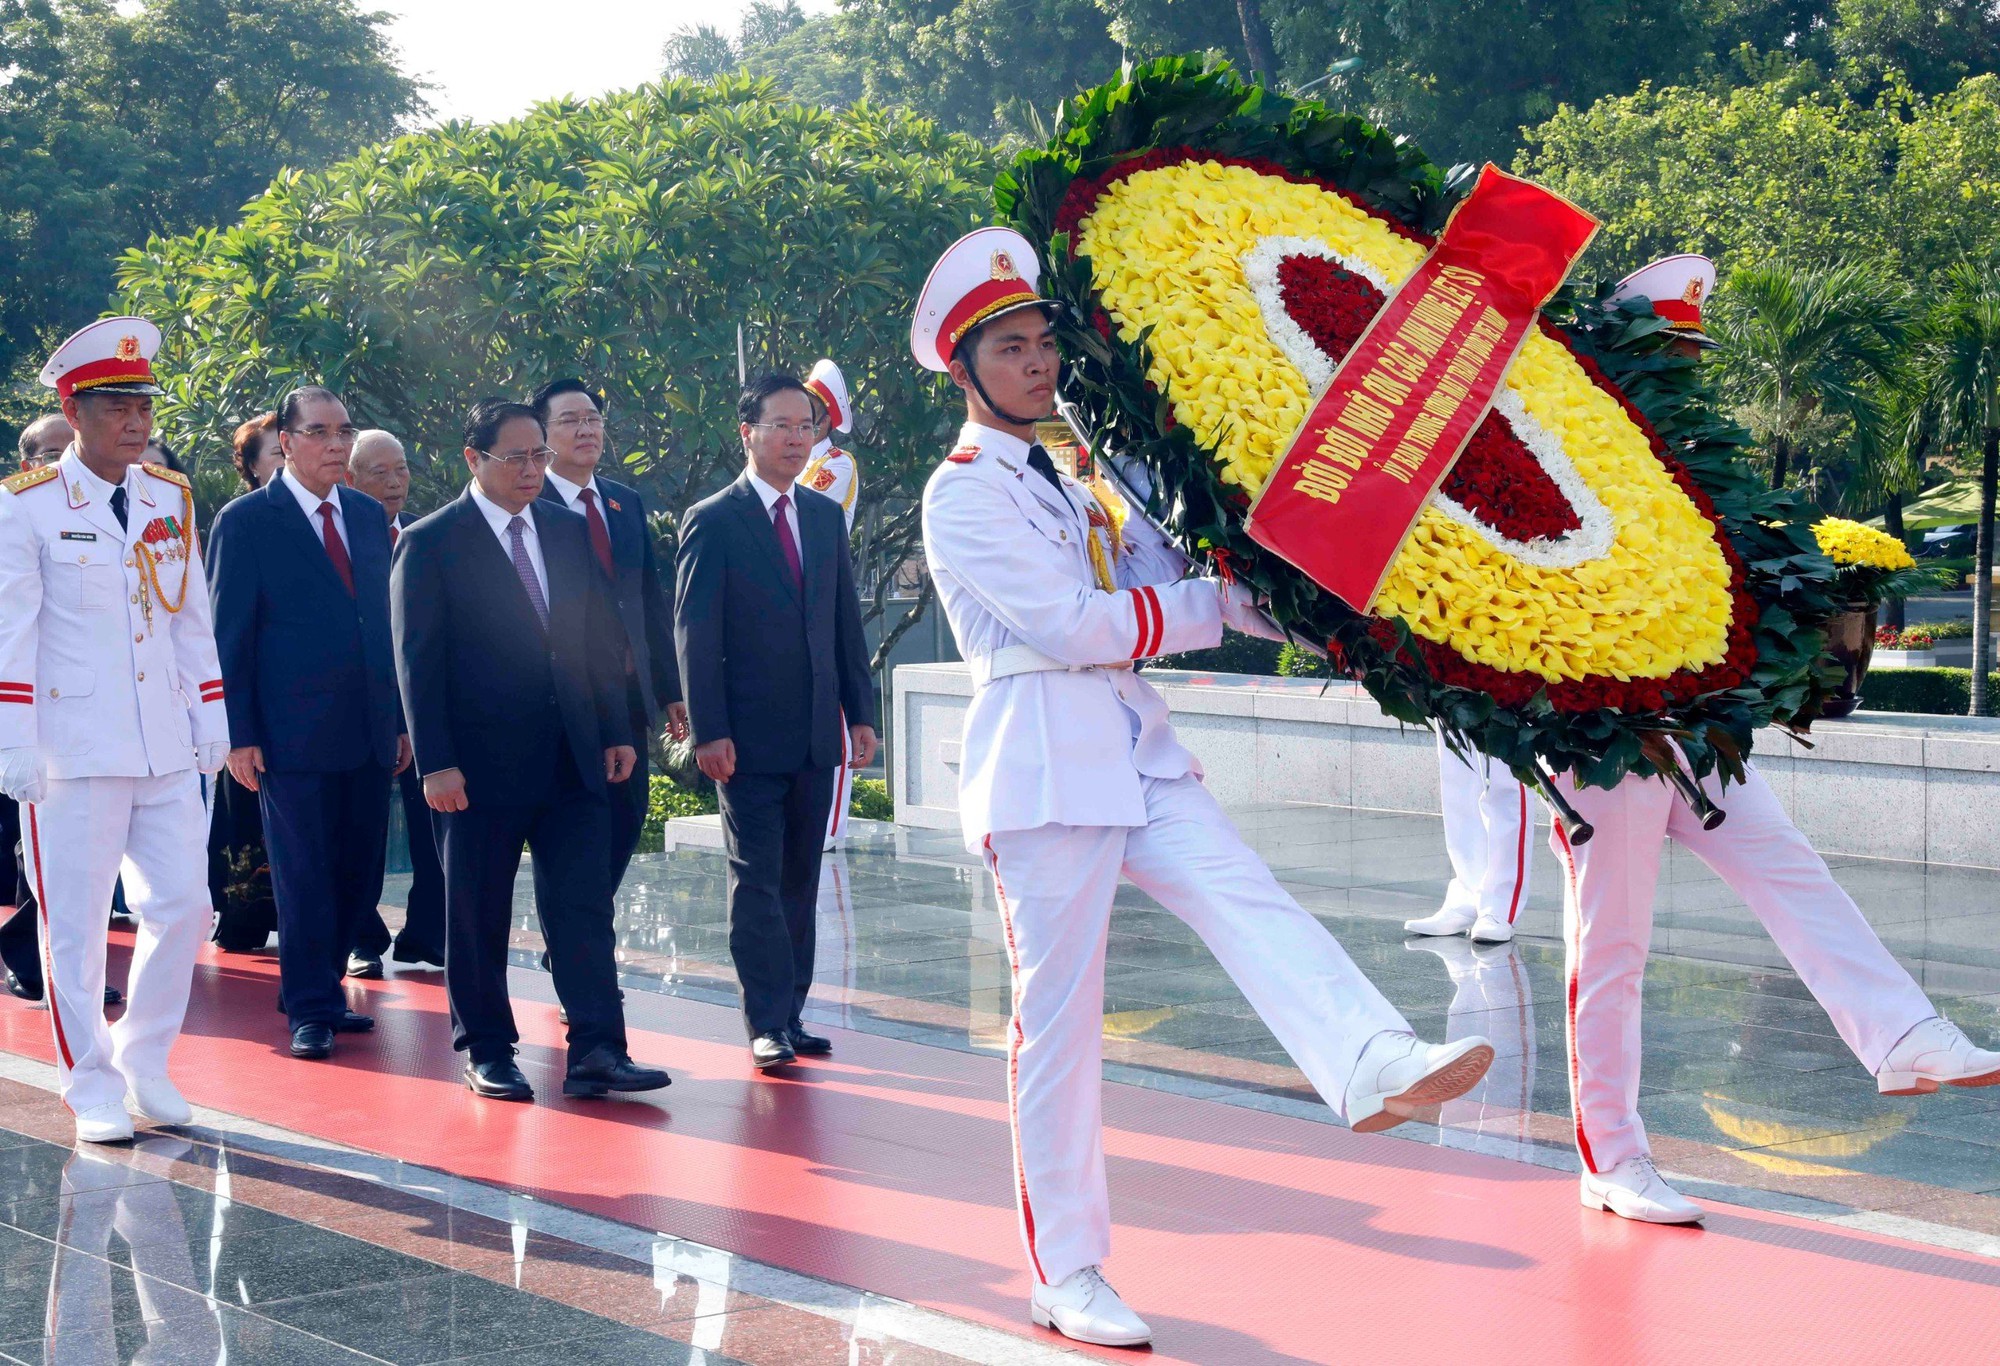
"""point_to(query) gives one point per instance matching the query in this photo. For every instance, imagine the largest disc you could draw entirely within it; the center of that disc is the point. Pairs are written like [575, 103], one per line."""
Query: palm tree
[1801, 345]
[1959, 364]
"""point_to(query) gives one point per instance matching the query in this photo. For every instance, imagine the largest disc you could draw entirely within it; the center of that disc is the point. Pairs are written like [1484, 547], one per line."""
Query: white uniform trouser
[843, 788]
[1487, 827]
[1055, 884]
[1608, 926]
[80, 838]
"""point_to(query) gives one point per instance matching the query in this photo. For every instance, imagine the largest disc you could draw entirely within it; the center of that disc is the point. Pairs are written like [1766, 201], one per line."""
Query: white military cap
[830, 387]
[111, 356]
[1676, 286]
[984, 274]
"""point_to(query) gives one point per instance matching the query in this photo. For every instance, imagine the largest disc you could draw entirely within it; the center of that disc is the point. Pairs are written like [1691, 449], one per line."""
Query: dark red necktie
[336, 549]
[600, 534]
[394, 532]
[785, 541]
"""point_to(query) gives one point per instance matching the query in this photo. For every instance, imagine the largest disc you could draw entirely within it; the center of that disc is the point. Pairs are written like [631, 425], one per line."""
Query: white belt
[1009, 660]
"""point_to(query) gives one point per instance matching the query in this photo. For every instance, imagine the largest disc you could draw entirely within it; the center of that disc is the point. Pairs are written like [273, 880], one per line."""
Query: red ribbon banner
[1414, 388]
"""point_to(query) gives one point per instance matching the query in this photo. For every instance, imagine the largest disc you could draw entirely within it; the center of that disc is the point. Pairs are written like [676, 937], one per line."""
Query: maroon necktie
[394, 532]
[785, 541]
[600, 534]
[336, 549]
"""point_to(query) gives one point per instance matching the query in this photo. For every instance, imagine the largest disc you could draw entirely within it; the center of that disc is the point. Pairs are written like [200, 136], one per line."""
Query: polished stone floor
[1748, 1092]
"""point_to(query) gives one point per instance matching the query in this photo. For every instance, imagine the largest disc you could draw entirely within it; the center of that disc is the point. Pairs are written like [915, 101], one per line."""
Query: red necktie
[336, 549]
[600, 534]
[394, 532]
[785, 541]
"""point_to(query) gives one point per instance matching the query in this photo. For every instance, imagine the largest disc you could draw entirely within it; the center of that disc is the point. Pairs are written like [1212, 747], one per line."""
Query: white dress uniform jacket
[833, 472]
[1066, 746]
[102, 690]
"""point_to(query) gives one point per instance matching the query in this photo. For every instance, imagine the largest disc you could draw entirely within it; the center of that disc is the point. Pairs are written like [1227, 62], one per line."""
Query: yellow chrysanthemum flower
[1851, 543]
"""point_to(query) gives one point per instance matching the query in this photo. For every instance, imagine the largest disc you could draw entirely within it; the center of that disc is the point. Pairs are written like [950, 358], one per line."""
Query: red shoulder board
[964, 455]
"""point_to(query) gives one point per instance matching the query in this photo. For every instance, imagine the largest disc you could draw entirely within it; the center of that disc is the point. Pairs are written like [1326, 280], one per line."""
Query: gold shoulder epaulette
[170, 475]
[27, 479]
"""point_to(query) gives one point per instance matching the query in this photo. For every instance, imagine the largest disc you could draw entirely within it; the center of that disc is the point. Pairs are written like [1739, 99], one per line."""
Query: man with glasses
[511, 659]
[300, 576]
[573, 415]
[769, 631]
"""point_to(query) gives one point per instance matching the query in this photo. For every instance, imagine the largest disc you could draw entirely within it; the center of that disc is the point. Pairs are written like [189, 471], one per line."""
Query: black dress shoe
[772, 1050]
[312, 1041]
[498, 1080]
[418, 955]
[27, 991]
[364, 965]
[113, 996]
[809, 1045]
[604, 1069]
[351, 1022]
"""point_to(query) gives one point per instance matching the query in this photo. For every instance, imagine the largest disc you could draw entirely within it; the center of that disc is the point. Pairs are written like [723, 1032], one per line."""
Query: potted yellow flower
[1869, 566]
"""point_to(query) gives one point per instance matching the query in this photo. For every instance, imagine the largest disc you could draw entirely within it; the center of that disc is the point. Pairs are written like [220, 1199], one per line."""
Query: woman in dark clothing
[239, 874]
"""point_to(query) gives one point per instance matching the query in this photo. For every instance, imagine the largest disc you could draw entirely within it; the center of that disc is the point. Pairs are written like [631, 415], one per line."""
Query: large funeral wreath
[1601, 573]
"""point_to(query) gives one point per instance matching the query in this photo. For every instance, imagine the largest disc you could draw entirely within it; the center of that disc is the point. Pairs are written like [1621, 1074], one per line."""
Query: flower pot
[1904, 659]
[1850, 639]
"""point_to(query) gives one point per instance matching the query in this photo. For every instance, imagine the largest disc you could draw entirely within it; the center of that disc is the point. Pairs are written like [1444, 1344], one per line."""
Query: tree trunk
[1257, 45]
[1982, 578]
[1892, 522]
[1781, 452]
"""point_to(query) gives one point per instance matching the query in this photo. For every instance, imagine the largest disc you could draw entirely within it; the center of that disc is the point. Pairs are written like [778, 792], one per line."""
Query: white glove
[23, 774]
[1240, 612]
[210, 757]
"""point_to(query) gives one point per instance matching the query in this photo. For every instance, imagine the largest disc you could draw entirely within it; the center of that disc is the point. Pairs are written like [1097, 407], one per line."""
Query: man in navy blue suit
[299, 573]
[511, 660]
[573, 416]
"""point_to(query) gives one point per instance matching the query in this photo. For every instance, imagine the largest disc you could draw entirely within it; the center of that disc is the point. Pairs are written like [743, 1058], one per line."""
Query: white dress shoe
[1634, 1189]
[104, 1124]
[1085, 1307]
[160, 1100]
[1450, 920]
[1491, 929]
[1399, 1073]
[1936, 1051]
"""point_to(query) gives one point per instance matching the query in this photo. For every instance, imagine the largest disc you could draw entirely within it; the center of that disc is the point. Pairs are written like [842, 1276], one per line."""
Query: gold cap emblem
[1003, 267]
[128, 348]
[1692, 294]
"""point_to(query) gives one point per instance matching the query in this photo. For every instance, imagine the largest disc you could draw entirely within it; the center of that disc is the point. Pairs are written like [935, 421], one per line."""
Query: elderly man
[44, 440]
[379, 468]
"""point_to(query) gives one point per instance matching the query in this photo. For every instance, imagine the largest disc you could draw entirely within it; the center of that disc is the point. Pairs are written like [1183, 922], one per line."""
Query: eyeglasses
[325, 433]
[538, 459]
[589, 422]
[788, 428]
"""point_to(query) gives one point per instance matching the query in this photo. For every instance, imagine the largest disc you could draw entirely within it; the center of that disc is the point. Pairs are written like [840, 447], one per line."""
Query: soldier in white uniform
[1072, 777]
[1486, 833]
[107, 657]
[1879, 1010]
[833, 472]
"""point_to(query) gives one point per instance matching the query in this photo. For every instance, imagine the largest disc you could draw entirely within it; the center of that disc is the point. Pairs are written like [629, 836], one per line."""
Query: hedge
[669, 800]
[1937, 692]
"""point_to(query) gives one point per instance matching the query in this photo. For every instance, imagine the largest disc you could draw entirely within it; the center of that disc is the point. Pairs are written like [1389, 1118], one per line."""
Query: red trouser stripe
[1014, 1040]
[48, 963]
[1520, 853]
[1575, 973]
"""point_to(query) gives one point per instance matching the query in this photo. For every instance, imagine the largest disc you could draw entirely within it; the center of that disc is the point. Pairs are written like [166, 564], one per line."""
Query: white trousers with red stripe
[1487, 827]
[1055, 885]
[79, 840]
[843, 788]
[1608, 926]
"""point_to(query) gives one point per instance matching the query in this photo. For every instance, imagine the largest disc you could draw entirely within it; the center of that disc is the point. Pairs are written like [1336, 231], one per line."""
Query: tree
[624, 239]
[1800, 344]
[1959, 363]
[699, 53]
[116, 126]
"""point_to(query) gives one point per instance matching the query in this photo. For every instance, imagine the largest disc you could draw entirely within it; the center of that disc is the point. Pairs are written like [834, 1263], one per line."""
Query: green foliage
[1237, 654]
[115, 126]
[1938, 692]
[667, 800]
[872, 801]
[623, 239]
[1958, 628]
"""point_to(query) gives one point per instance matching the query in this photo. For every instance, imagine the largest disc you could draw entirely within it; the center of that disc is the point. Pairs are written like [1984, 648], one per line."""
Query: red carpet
[1243, 1237]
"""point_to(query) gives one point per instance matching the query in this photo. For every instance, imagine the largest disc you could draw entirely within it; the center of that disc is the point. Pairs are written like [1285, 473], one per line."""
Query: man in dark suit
[769, 632]
[511, 660]
[299, 574]
[573, 416]
[379, 468]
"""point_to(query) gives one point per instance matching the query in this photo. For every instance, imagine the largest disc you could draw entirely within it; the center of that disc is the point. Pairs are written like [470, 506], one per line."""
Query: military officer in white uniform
[833, 472]
[1486, 833]
[1878, 1009]
[109, 665]
[1072, 777]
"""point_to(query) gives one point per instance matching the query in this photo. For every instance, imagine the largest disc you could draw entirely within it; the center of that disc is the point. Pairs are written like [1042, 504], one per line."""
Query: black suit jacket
[479, 673]
[635, 586]
[760, 664]
[308, 672]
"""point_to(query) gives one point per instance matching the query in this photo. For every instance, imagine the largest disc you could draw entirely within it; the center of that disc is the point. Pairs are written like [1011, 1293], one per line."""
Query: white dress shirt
[310, 502]
[498, 518]
[770, 496]
[572, 494]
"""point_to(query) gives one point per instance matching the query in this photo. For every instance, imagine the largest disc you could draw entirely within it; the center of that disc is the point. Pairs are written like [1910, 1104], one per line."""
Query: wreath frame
[1201, 103]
